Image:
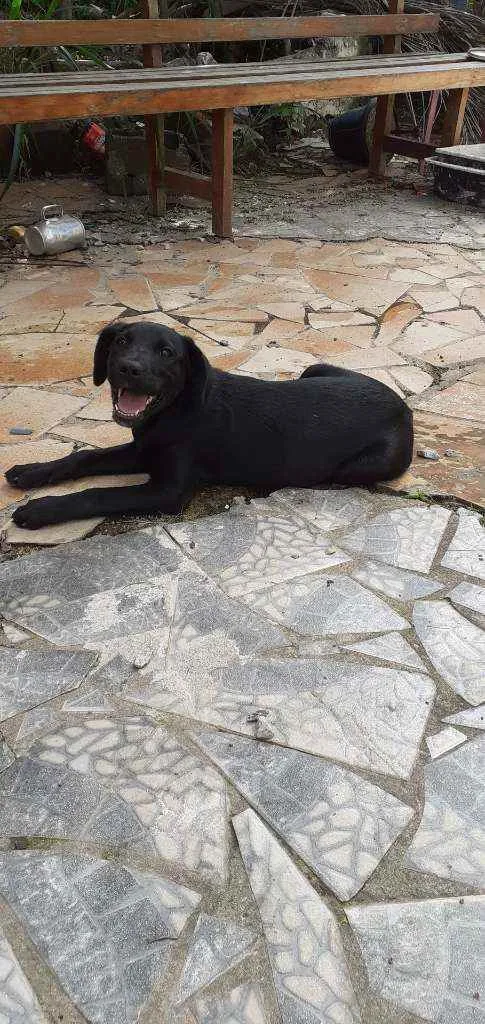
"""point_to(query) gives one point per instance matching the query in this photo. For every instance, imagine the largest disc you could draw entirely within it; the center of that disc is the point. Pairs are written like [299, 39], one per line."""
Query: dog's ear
[199, 367]
[100, 366]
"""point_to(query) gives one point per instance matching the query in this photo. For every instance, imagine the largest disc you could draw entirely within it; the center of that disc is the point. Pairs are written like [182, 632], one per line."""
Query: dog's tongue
[130, 403]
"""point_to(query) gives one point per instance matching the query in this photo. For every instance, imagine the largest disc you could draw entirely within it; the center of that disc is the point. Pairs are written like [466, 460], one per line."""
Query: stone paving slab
[455, 646]
[28, 678]
[310, 972]
[426, 956]
[18, 1002]
[243, 1005]
[450, 841]
[216, 945]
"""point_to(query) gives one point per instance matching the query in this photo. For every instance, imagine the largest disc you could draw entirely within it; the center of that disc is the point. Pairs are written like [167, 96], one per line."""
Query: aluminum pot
[56, 231]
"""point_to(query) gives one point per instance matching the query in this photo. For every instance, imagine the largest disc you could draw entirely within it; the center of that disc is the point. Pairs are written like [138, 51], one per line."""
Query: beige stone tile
[321, 346]
[134, 292]
[474, 297]
[477, 377]
[46, 320]
[228, 333]
[422, 335]
[411, 378]
[93, 318]
[345, 264]
[362, 336]
[412, 276]
[171, 300]
[465, 320]
[463, 351]
[53, 299]
[367, 358]
[176, 276]
[279, 330]
[324, 321]
[294, 311]
[31, 451]
[395, 319]
[450, 269]
[465, 401]
[99, 435]
[358, 292]
[35, 408]
[384, 377]
[101, 408]
[432, 299]
[221, 311]
[61, 533]
[41, 358]
[457, 285]
[277, 360]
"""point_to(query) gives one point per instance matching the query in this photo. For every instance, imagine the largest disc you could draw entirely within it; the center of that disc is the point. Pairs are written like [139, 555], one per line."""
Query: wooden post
[453, 119]
[154, 125]
[385, 105]
[222, 176]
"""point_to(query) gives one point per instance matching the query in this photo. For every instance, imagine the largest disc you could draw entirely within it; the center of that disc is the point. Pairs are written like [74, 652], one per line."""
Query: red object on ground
[95, 138]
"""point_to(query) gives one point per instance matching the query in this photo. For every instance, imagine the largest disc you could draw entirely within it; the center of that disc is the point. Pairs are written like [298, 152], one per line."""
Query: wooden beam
[36, 102]
[154, 124]
[456, 102]
[222, 172]
[385, 105]
[136, 31]
[188, 183]
[407, 147]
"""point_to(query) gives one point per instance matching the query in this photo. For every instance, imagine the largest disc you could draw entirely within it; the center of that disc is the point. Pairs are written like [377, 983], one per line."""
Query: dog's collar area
[129, 406]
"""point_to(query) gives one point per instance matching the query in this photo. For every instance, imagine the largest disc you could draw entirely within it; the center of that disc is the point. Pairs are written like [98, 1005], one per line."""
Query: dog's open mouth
[130, 406]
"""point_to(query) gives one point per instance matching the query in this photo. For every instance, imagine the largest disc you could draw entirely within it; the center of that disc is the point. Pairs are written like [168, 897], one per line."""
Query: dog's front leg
[88, 462]
[100, 501]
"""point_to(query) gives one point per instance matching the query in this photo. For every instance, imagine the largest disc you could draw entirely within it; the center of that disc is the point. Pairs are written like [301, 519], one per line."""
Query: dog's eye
[165, 353]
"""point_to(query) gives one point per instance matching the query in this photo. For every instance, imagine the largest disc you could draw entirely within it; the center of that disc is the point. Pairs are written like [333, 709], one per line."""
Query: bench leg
[453, 119]
[382, 127]
[154, 128]
[222, 157]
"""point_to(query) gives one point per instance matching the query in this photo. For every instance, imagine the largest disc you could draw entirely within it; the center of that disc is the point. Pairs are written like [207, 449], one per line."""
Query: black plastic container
[348, 134]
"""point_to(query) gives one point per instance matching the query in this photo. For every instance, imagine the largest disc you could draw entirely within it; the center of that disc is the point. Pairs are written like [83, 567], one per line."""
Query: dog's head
[147, 366]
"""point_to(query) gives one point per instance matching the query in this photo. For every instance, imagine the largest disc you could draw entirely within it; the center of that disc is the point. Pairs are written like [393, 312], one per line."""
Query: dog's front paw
[34, 474]
[35, 514]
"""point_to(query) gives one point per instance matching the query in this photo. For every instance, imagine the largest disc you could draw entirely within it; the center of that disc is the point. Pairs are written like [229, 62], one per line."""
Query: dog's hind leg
[386, 459]
[122, 459]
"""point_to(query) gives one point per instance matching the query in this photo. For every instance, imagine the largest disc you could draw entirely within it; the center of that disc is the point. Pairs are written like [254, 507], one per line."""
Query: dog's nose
[128, 368]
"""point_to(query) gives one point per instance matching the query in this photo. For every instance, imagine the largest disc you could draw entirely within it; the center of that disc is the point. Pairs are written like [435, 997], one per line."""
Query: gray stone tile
[33, 724]
[450, 841]
[6, 755]
[441, 742]
[28, 678]
[321, 605]
[216, 945]
[389, 647]
[18, 1002]
[177, 799]
[397, 583]
[339, 824]
[243, 1005]
[466, 553]
[210, 629]
[93, 700]
[103, 617]
[405, 537]
[469, 596]
[93, 566]
[474, 718]
[327, 509]
[454, 645]
[248, 550]
[425, 956]
[310, 971]
[373, 718]
[99, 926]
[38, 799]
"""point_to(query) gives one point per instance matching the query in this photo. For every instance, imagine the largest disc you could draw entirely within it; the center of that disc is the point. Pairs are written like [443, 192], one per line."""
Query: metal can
[56, 231]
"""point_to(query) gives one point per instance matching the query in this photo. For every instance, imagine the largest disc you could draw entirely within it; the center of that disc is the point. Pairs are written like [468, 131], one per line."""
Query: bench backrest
[209, 30]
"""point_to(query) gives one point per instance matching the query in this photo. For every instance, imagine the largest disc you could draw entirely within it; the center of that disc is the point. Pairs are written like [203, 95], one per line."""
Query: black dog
[195, 426]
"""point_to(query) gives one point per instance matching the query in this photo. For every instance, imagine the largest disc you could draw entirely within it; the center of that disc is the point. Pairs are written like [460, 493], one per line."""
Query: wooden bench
[154, 90]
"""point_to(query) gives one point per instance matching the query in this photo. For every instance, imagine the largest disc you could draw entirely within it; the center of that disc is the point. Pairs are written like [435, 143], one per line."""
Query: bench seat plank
[204, 89]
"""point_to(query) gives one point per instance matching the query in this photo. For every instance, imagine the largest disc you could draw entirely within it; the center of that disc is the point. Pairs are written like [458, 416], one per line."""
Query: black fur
[207, 427]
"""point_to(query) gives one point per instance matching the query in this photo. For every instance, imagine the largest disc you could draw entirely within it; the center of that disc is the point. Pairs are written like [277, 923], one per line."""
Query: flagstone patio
[242, 754]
